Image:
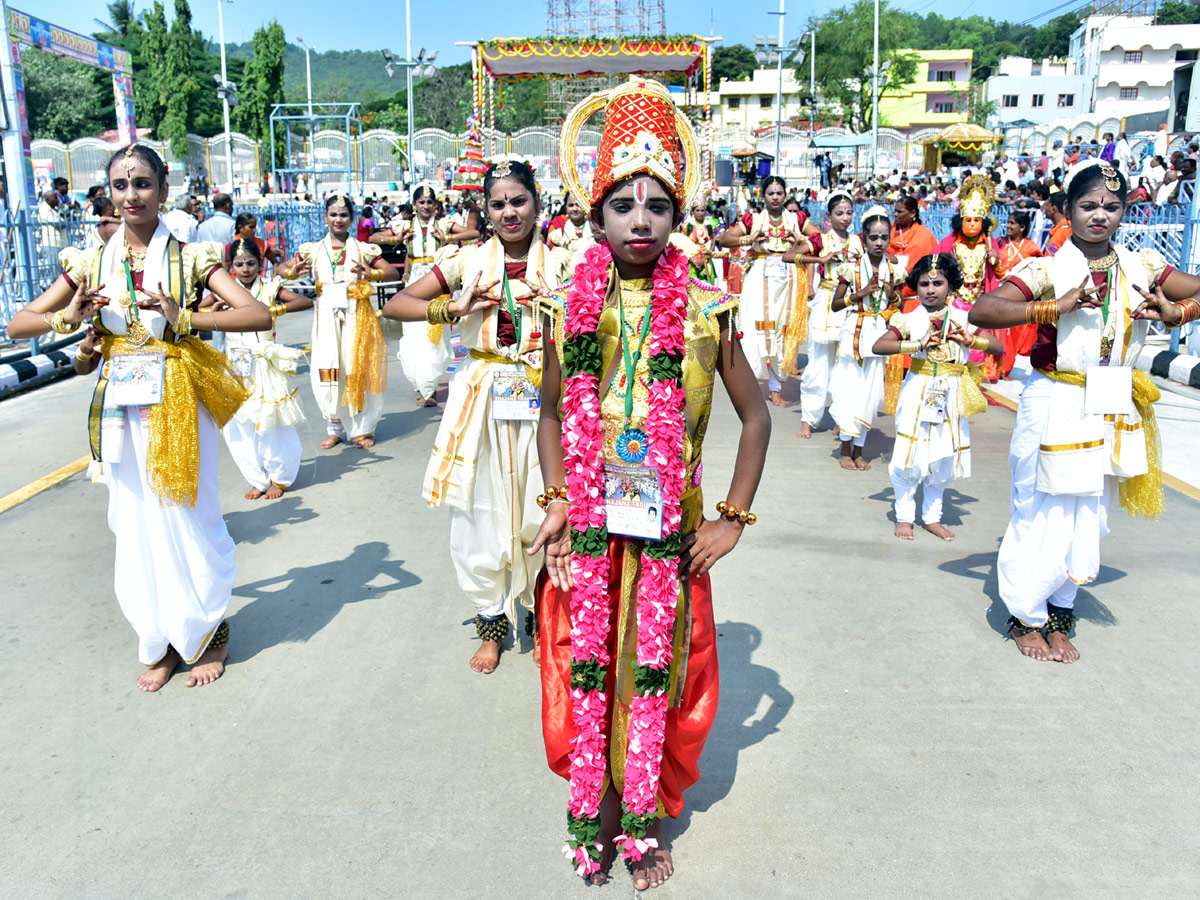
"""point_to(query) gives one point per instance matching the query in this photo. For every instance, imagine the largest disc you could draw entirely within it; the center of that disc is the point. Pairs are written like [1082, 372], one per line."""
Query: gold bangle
[1189, 311]
[733, 514]
[910, 347]
[378, 275]
[84, 356]
[212, 314]
[288, 273]
[552, 495]
[979, 342]
[277, 310]
[58, 324]
[183, 323]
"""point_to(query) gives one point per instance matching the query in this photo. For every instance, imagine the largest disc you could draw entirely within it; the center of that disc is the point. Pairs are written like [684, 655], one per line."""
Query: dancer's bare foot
[1034, 646]
[274, 492]
[420, 400]
[330, 442]
[209, 667]
[939, 530]
[366, 442]
[904, 531]
[805, 431]
[610, 827]
[486, 658]
[156, 676]
[1062, 648]
[537, 652]
[653, 869]
[859, 463]
[253, 494]
[837, 431]
[846, 460]
[776, 398]
[429, 401]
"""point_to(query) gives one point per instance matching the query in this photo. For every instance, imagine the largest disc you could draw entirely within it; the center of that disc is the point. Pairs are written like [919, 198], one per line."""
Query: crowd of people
[570, 450]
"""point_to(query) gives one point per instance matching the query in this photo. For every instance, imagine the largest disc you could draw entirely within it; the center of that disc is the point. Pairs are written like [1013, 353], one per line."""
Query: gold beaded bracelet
[733, 514]
[1189, 311]
[553, 494]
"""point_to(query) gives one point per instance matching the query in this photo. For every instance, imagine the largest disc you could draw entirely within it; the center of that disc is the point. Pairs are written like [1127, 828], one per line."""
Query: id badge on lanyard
[776, 267]
[1108, 391]
[633, 501]
[136, 379]
[241, 359]
[933, 405]
[514, 397]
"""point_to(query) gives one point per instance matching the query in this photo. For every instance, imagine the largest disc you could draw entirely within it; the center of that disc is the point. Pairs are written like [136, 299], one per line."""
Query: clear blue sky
[376, 25]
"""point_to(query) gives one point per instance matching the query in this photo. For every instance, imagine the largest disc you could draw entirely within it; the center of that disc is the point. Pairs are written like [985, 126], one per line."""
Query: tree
[1175, 12]
[179, 81]
[843, 73]
[149, 90]
[262, 84]
[733, 63]
[61, 98]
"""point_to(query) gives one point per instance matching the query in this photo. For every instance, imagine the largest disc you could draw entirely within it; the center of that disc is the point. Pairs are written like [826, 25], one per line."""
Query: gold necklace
[1103, 263]
[137, 260]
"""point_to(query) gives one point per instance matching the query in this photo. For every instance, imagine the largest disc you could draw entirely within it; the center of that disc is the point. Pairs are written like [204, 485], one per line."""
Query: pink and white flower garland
[658, 586]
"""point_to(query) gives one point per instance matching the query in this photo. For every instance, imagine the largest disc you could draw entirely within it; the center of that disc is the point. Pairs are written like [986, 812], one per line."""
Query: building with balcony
[1130, 64]
[935, 98]
[1037, 91]
[750, 104]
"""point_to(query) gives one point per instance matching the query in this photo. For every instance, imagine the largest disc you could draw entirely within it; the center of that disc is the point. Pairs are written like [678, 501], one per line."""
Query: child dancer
[835, 246]
[631, 302]
[262, 436]
[867, 288]
[933, 437]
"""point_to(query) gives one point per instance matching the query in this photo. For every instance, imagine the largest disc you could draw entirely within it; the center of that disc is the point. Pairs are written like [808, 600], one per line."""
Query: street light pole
[225, 95]
[875, 100]
[779, 98]
[408, 74]
[312, 143]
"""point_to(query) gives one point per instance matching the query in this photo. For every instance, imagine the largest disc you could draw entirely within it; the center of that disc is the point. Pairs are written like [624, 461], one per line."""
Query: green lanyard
[631, 360]
[1108, 291]
[133, 309]
[514, 311]
[333, 266]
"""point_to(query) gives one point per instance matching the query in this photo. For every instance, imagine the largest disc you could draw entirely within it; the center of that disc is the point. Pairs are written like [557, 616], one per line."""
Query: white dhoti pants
[424, 362]
[264, 457]
[905, 483]
[1052, 544]
[174, 564]
[815, 380]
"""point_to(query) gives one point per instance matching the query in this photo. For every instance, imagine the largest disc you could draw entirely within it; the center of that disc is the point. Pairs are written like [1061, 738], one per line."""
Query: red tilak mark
[639, 192]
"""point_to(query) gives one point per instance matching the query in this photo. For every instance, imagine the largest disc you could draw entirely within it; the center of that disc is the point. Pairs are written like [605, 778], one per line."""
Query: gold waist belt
[764, 325]
[828, 284]
[534, 375]
[420, 259]
[971, 401]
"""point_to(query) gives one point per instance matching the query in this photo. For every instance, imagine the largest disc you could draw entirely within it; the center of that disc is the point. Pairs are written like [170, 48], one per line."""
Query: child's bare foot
[156, 676]
[805, 431]
[330, 442]
[275, 491]
[486, 658]
[253, 494]
[1062, 648]
[847, 461]
[655, 867]
[904, 531]
[366, 442]
[1034, 646]
[940, 530]
[209, 667]
[428, 401]
[859, 463]
[777, 398]
[836, 431]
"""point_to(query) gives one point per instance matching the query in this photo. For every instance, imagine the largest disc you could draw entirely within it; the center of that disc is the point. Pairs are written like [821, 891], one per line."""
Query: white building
[1040, 92]
[1129, 63]
[750, 104]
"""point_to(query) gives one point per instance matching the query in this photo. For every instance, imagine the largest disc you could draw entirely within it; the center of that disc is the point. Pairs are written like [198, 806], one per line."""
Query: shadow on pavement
[252, 526]
[743, 687]
[293, 606]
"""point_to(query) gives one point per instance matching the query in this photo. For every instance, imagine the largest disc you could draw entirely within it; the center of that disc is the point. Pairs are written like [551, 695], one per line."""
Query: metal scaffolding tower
[598, 18]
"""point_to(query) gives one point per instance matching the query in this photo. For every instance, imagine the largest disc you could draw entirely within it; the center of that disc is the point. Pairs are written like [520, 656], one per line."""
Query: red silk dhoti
[695, 679]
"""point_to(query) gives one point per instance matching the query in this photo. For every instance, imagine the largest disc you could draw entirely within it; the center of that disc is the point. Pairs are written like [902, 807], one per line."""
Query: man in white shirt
[1124, 154]
[219, 226]
[1009, 170]
[1161, 140]
[181, 221]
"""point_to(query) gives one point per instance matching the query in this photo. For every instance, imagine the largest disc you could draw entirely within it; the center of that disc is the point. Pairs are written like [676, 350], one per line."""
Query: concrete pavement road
[877, 736]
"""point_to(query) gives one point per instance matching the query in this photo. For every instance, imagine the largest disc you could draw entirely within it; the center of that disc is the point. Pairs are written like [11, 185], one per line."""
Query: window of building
[943, 106]
[1185, 56]
[1066, 100]
[1010, 101]
[1133, 56]
[765, 102]
[944, 75]
[1129, 93]
[735, 102]
[1038, 101]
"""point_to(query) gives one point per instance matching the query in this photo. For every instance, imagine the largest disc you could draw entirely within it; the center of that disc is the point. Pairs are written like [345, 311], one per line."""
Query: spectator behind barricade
[218, 227]
[94, 193]
[246, 228]
[181, 221]
[366, 225]
[52, 231]
[106, 226]
[62, 188]
[1060, 229]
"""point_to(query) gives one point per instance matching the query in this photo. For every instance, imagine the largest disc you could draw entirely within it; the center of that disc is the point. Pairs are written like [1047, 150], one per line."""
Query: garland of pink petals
[658, 585]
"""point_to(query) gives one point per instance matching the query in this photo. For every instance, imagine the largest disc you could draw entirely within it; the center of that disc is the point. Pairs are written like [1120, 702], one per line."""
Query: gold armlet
[980, 342]
[910, 347]
[733, 514]
[277, 310]
[288, 273]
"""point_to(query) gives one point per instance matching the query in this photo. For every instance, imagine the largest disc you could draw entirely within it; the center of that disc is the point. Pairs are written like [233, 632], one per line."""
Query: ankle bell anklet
[491, 629]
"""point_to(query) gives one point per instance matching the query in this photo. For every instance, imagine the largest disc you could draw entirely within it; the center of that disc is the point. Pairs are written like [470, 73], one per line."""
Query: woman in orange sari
[1018, 340]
